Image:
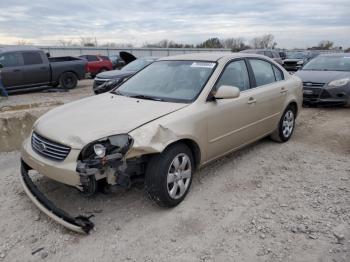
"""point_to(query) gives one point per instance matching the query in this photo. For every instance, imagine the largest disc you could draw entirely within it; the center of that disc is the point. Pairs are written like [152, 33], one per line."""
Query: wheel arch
[193, 146]
[68, 71]
[295, 106]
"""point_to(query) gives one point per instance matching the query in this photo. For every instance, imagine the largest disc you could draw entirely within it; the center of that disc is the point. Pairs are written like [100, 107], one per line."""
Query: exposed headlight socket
[100, 150]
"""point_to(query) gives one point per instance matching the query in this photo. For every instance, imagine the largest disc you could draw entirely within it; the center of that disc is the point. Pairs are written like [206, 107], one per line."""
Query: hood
[127, 57]
[78, 123]
[113, 74]
[321, 76]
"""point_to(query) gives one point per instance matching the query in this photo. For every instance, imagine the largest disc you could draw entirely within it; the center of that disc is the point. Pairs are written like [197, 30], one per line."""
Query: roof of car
[213, 57]
[9, 48]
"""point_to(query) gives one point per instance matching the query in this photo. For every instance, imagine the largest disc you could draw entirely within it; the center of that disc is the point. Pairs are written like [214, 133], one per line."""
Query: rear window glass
[278, 74]
[89, 58]
[275, 55]
[263, 72]
[32, 58]
[105, 58]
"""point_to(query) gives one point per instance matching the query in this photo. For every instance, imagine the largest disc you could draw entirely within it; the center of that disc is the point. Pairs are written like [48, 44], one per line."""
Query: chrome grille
[312, 84]
[48, 148]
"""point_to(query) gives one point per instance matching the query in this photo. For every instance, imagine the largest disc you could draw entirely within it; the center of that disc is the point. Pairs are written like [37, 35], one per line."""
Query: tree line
[237, 44]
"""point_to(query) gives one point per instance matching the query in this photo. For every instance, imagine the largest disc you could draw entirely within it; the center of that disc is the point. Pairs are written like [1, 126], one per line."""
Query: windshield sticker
[201, 64]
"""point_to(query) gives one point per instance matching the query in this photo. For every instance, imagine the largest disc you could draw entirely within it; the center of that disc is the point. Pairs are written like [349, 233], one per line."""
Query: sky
[293, 23]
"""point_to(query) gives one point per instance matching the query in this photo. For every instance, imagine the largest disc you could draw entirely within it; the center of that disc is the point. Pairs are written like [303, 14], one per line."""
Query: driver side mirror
[227, 92]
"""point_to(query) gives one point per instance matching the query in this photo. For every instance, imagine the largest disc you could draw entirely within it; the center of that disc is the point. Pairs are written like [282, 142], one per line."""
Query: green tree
[211, 43]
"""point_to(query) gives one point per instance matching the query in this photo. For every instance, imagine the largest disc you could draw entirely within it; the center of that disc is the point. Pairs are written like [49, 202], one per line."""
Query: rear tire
[169, 175]
[286, 126]
[68, 80]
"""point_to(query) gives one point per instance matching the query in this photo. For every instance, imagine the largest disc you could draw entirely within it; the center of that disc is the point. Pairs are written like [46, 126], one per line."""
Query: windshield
[329, 63]
[295, 55]
[172, 81]
[136, 65]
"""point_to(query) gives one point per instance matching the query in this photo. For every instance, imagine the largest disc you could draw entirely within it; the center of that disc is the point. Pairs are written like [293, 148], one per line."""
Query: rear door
[267, 96]
[36, 69]
[11, 73]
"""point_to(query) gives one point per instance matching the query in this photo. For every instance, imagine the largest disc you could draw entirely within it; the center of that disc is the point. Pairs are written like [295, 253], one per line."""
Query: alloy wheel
[288, 123]
[179, 176]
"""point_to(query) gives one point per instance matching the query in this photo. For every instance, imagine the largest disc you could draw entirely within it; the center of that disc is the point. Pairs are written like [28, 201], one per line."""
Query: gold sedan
[162, 124]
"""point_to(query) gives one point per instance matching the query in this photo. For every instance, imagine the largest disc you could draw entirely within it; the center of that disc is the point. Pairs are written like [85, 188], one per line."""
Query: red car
[97, 64]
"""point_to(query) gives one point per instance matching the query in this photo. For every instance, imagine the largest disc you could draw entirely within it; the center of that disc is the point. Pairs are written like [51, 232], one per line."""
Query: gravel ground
[83, 89]
[267, 202]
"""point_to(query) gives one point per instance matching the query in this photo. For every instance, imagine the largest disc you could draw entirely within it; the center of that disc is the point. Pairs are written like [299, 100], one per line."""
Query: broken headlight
[107, 146]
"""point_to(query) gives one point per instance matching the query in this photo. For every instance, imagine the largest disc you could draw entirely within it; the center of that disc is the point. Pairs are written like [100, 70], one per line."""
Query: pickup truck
[26, 68]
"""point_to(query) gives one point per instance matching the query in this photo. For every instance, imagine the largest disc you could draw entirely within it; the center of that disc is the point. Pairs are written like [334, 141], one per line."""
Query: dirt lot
[267, 202]
[18, 113]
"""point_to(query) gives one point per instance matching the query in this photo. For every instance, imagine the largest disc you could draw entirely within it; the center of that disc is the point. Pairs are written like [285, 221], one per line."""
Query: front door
[11, 73]
[229, 119]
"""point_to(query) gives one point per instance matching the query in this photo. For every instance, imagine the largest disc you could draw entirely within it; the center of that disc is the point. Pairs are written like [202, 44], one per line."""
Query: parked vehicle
[296, 60]
[106, 81]
[326, 80]
[161, 125]
[282, 54]
[27, 68]
[266, 52]
[117, 61]
[97, 64]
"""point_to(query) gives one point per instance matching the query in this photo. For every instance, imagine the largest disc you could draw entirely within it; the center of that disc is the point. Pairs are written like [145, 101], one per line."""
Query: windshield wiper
[146, 97]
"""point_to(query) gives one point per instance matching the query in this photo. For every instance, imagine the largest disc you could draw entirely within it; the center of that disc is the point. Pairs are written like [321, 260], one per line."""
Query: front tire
[286, 125]
[68, 80]
[169, 175]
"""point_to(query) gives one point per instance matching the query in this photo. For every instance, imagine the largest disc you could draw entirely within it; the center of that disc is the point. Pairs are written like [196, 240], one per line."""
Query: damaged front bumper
[80, 224]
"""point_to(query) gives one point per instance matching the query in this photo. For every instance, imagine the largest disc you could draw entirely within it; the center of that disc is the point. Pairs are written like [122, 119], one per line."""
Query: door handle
[283, 90]
[251, 100]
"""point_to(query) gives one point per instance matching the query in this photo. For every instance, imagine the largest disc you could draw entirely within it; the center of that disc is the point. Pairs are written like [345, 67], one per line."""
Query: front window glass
[10, 59]
[329, 63]
[235, 74]
[173, 81]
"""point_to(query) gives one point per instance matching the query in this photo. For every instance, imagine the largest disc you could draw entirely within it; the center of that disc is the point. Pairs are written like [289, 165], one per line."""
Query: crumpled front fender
[150, 139]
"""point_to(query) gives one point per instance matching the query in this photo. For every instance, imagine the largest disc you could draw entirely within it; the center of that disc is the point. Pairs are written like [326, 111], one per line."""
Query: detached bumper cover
[80, 224]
